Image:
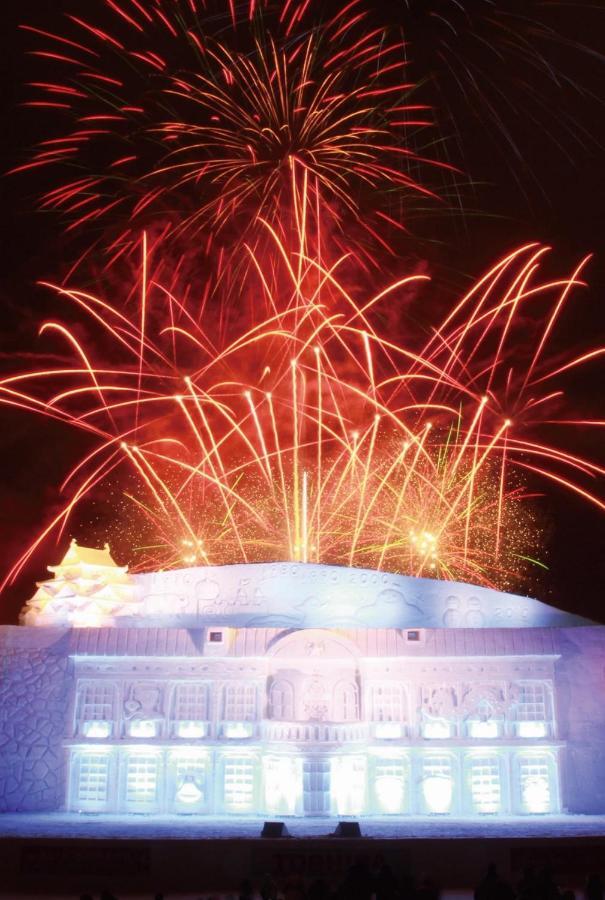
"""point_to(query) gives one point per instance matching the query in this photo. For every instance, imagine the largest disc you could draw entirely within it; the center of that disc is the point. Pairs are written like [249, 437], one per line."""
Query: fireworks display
[193, 120]
[286, 416]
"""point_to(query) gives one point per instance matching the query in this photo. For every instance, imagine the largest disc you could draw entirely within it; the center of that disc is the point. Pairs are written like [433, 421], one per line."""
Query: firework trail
[285, 421]
[313, 437]
[195, 122]
[483, 62]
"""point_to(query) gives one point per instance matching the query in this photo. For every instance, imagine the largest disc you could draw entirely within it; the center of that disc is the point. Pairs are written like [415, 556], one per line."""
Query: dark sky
[545, 183]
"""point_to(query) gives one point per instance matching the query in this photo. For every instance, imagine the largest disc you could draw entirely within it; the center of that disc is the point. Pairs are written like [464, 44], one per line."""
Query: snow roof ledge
[308, 595]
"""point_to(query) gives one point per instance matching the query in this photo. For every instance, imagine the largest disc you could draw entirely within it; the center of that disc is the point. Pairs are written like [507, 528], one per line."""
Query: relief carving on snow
[315, 700]
[486, 700]
[440, 701]
[143, 701]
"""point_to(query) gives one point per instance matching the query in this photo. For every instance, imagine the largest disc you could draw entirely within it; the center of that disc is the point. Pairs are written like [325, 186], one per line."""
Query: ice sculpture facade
[297, 690]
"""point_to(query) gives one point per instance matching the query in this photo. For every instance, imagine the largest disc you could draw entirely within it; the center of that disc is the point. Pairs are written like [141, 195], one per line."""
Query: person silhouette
[493, 887]
[593, 890]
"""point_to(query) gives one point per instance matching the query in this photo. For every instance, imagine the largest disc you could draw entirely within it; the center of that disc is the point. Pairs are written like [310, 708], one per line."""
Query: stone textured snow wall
[580, 689]
[35, 690]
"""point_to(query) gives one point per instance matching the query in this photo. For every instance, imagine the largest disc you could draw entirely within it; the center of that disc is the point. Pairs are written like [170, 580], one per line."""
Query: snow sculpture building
[296, 689]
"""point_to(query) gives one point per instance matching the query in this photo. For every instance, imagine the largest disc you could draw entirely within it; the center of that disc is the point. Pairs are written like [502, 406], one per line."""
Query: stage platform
[114, 827]
[49, 854]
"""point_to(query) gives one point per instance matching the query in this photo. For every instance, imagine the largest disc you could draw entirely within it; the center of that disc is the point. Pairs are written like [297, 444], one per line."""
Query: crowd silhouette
[377, 881]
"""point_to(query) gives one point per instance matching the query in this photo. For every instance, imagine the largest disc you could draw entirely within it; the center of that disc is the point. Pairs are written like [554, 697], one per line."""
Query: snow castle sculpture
[294, 689]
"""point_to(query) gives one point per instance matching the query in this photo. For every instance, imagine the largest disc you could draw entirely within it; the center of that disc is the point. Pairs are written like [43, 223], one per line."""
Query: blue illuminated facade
[294, 689]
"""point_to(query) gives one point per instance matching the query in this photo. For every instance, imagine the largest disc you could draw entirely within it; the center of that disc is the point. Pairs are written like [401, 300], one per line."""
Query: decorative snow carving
[144, 701]
[87, 590]
[486, 701]
[440, 701]
[315, 702]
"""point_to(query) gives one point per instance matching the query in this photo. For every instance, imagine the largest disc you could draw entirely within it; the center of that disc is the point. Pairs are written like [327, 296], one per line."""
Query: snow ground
[74, 825]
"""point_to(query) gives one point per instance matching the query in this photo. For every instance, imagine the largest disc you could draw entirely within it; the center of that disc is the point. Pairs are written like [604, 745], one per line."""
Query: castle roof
[90, 556]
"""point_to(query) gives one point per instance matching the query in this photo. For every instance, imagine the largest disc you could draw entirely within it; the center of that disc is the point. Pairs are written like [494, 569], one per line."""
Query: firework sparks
[310, 436]
[169, 127]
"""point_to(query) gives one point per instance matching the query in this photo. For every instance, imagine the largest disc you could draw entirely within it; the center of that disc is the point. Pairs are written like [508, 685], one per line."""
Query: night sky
[534, 178]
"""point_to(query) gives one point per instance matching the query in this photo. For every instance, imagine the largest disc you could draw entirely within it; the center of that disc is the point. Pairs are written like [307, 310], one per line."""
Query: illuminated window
[93, 779]
[438, 784]
[190, 730]
[189, 793]
[143, 728]
[95, 704]
[142, 779]
[236, 730]
[239, 702]
[485, 784]
[348, 785]
[531, 710]
[388, 703]
[239, 784]
[190, 781]
[534, 778]
[190, 710]
[96, 729]
[388, 730]
[346, 705]
[282, 700]
[485, 730]
[531, 729]
[283, 785]
[389, 785]
[436, 729]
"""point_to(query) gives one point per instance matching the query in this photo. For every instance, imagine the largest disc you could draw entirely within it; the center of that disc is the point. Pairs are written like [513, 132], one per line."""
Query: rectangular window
[191, 703]
[437, 767]
[388, 703]
[239, 703]
[142, 779]
[143, 728]
[531, 730]
[437, 729]
[532, 702]
[485, 784]
[316, 786]
[93, 779]
[96, 729]
[215, 637]
[485, 730]
[239, 784]
[388, 731]
[95, 704]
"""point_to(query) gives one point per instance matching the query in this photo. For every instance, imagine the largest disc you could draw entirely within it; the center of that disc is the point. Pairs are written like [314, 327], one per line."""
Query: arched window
[536, 775]
[346, 702]
[281, 699]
